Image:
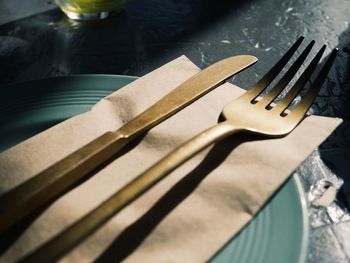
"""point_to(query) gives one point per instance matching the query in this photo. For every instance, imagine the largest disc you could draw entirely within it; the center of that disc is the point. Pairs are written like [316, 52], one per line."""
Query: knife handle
[58, 178]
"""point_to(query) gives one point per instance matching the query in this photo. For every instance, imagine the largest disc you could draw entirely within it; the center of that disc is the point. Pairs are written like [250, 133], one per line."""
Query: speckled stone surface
[38, 41]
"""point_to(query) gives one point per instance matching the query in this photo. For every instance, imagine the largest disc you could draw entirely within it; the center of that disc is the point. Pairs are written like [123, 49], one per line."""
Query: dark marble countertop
[38, 41]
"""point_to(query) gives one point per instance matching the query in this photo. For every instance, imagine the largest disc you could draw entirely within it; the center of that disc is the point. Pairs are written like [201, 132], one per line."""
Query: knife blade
[49, 184]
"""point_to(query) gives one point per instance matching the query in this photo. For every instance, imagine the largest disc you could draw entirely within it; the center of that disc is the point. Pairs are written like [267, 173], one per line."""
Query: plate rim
[305, 218]
[21, 82]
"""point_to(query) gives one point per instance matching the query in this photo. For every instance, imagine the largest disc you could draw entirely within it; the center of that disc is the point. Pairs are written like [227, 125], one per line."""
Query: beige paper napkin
[189, 215]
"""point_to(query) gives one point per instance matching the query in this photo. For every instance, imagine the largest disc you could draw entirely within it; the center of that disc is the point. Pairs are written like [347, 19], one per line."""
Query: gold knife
[61, 176]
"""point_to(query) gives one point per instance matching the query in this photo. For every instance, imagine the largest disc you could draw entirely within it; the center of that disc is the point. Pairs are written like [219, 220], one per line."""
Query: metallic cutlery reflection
[259, 115]
[54, 181]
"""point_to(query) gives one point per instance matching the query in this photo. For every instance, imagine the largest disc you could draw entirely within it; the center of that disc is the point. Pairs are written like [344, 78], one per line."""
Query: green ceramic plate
[277, 234]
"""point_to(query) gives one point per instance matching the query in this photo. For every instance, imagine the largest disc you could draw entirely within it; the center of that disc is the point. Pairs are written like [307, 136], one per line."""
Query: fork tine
[306, 102]
[279, 87]
[261, 85]
[294, 91]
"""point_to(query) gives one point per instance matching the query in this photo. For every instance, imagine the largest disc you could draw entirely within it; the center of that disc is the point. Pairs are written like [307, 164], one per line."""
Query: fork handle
[73, 235]
[55, 180]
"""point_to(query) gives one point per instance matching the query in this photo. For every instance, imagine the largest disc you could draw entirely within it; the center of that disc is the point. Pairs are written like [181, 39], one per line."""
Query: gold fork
[248, 113]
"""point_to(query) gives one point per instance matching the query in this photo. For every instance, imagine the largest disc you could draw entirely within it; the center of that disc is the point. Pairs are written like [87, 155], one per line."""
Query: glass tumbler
[90, 9]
